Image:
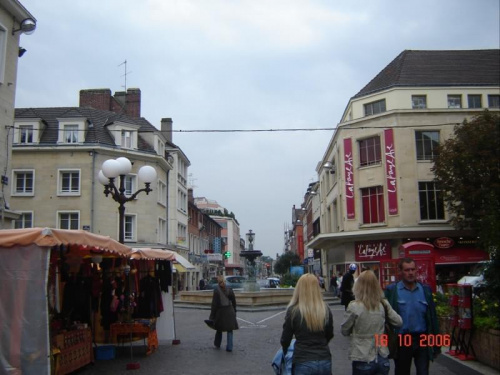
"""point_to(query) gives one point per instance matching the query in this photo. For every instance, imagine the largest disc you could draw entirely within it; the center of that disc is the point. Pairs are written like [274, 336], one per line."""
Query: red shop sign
[444, 242]
[373, 250]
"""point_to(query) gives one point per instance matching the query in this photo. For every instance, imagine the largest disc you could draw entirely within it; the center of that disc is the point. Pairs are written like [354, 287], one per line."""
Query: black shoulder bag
[392, 336]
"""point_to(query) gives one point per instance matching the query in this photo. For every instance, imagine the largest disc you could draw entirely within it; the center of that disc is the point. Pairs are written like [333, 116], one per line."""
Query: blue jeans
[380, 366]
[323, 367]
[218, 340]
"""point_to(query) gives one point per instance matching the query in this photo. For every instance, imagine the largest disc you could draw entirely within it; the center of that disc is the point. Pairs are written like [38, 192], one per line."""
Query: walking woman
[309, 319]
[223, 313]
[364, 319]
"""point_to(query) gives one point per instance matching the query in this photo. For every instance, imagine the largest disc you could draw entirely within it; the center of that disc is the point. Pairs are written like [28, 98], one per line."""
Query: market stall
[47, 324]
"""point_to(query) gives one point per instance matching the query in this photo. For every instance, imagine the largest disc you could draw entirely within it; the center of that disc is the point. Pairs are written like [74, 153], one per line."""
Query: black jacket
[310, 346]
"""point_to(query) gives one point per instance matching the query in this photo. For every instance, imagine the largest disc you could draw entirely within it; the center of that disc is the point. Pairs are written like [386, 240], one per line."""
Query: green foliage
[467, 169]
[282, 265]
[486, 313]
[289, 280]
[443, 308]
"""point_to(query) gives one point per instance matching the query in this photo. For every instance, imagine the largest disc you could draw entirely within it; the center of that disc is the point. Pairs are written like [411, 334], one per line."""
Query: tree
[285, 261]
[467, 170]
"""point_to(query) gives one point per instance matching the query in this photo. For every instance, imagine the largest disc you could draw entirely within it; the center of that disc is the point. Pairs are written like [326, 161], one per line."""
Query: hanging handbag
[392, 336]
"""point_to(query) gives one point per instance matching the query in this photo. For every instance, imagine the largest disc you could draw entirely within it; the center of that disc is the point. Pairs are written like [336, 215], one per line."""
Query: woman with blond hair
[223, 313]
[364, 319]
[309, 319]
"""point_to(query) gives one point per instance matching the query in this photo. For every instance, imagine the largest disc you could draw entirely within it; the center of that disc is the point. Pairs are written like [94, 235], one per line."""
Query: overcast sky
[240, 64]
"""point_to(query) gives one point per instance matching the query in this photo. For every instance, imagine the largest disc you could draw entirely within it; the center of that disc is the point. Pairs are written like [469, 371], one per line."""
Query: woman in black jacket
[309, 319]
[223, 313]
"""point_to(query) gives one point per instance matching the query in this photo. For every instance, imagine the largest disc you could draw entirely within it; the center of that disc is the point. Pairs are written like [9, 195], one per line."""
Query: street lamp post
[110, 170]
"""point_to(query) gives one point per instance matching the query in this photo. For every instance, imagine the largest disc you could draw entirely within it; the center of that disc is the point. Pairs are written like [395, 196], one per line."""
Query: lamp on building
[111, 169]
[28, 26]
[329, 166]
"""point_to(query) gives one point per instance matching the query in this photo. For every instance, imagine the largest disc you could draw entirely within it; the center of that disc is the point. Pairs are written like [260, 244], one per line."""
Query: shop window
[369, 151]
[24, 182]
[69, 220]
[373, 205]
[426, 144]
[431, 201]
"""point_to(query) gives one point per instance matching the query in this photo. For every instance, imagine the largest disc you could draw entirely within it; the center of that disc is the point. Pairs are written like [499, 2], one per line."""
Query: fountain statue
[250, 255]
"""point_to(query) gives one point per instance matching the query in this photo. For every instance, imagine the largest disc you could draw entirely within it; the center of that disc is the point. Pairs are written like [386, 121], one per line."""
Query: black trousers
[412, 352]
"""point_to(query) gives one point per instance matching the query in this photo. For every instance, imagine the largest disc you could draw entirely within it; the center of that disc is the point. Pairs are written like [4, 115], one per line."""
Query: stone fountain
[250, 255]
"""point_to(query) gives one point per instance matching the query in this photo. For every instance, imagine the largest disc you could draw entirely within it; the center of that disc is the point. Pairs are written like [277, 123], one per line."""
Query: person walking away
[310, 320]
[333, 284]
[339, 283]
[223, 313]
[413, 301]
[201, 284]
[346, 286]
[364, 319]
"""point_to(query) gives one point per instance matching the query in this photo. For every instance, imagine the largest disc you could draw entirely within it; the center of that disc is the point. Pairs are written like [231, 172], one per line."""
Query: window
[418, 101]
[162, 193]
[375, 107]
[126, 139]
[71, 133]
[69, 182]
[129, 228]
[373, 205]
[26, 134]
[474, 101]
[24, 182]
[162, 231]
[129, 184]
[426, 143]
[494, 101]
[69, 220]
[24, 221]
[454, 101]
[369, 151]
[431, 201]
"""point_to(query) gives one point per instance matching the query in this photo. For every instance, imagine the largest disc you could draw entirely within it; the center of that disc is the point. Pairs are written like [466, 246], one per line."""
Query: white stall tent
[24, 309]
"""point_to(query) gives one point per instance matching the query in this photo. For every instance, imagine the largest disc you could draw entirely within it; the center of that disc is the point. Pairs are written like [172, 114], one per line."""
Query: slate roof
[438, 68]
[98, 134]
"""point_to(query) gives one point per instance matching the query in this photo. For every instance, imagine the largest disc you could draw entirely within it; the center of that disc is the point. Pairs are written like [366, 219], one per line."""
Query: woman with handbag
[365, 320]
[310, 320]
[223, 313]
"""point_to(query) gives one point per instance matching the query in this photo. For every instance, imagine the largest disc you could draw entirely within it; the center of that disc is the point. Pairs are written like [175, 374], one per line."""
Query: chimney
[96, 98]
[128, 102]
[190, 195]
[166, 128]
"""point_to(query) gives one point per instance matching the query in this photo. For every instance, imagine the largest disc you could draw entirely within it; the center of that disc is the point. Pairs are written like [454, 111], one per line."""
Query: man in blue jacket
[414, 303]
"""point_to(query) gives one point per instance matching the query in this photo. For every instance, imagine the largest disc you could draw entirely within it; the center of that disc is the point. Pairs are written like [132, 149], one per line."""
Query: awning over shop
[148, 253]
[184, 262]
[179, 268]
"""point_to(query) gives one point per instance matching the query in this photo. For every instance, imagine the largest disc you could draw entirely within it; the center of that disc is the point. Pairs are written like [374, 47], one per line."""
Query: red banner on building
[349, 178]
[373, 250]
[390, 172]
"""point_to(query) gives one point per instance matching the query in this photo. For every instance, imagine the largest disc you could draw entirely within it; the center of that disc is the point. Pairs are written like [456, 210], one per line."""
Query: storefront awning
[179, 268]
[148, 253]
[184, 262]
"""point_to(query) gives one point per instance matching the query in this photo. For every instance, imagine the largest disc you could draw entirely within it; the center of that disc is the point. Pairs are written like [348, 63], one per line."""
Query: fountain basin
[264, 297]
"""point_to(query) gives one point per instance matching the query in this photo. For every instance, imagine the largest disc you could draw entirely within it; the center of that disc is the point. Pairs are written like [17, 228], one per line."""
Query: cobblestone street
[255, 344]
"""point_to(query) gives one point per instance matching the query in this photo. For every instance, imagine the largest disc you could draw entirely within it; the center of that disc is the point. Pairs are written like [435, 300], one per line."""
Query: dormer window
[72, 131]
[26, 134]
[27, 131]
[126, 139]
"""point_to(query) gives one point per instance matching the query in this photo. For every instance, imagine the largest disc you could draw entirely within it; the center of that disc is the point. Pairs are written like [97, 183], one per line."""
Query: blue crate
[105, 352]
